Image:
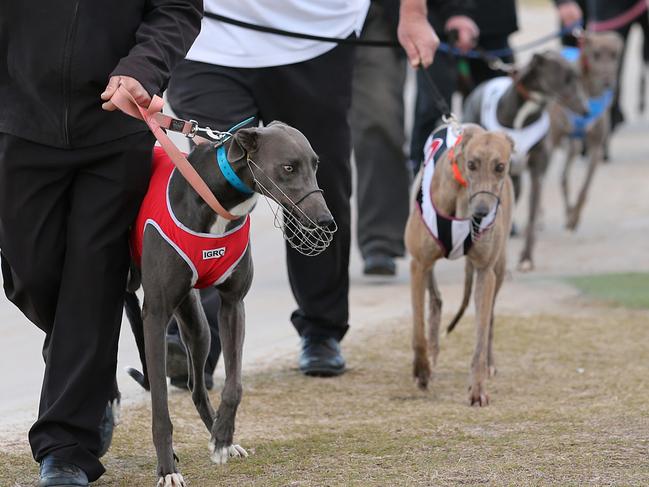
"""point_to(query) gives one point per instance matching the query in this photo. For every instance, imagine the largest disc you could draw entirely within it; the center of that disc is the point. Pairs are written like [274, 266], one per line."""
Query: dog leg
[500, 270]
[434, 316]
[571, 152]
[196, 337]
[421, 366]
[595, 155]
[231, 333]
[484, 299]
[537, 164]
[155, 321]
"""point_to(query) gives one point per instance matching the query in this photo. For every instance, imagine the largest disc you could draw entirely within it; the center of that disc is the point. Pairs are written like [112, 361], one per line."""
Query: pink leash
[619, 21]
[156, 121]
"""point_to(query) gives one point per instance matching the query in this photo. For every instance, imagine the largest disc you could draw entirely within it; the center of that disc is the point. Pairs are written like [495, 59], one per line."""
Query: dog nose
[481, 211]
[324, 220]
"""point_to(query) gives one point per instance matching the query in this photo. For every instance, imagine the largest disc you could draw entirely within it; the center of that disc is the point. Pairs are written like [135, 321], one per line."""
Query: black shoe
[183, 382]
[379, 265]
[176, 357]
[58, 473]
[107, 425]
[321, 357]
[177, 364]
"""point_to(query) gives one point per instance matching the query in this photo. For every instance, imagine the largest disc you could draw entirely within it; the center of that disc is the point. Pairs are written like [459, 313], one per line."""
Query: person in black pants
[72, 177]
[304, 96]
[383, 177]
[307, 85]
[496, 20]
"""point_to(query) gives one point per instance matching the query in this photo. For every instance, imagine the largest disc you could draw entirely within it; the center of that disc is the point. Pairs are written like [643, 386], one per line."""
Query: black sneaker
[177, 364]
[58, 473]
[379, 265]
[321, 357]
[107, 425]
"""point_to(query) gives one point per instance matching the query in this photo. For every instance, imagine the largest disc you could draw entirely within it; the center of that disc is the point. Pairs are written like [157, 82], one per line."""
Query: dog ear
[243, 142]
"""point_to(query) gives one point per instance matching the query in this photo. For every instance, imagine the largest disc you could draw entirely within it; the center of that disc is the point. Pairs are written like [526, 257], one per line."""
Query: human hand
[415, 33]
[468, 31]
[131, 85]
[570, 13]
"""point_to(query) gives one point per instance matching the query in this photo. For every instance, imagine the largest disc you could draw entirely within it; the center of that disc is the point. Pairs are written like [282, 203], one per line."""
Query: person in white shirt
[232, 73]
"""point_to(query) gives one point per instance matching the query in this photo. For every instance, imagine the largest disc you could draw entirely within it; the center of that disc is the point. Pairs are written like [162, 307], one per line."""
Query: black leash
[438, 99]
[298, 35]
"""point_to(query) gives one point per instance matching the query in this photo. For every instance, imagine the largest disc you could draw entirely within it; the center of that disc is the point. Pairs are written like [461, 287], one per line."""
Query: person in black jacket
[378, 135]
[72, 176]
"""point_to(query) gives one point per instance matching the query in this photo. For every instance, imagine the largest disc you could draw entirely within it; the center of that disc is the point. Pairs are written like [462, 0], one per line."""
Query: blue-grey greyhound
[276, 161]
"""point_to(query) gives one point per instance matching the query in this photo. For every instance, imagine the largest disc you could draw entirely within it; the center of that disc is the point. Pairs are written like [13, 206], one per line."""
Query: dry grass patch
[569, 407]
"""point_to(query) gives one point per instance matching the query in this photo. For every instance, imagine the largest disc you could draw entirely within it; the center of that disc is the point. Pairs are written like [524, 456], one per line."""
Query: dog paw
[526, 265]
[221, 455]
[572, 221]
[171, 480]
[478, 397]
[492, 371]
[422, 373]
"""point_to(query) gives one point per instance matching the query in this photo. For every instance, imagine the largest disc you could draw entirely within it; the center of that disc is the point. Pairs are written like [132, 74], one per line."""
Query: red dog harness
[212, 258]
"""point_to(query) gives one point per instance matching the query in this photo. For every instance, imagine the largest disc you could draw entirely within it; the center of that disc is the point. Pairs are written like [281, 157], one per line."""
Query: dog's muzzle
[302, 233]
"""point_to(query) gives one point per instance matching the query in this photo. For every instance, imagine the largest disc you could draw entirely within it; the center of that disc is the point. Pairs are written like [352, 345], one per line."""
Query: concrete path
[614, 236]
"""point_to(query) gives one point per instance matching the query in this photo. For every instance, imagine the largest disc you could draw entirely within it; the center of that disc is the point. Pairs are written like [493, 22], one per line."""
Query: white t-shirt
[228, 45]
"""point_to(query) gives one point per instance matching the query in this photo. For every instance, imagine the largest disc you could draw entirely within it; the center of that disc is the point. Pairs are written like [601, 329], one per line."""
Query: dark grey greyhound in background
[547, 77]
[276, 161]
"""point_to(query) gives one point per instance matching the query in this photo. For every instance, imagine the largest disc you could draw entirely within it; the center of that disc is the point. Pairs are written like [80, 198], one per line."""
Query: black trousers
[314, 96]
[383, 182]
[64, 220]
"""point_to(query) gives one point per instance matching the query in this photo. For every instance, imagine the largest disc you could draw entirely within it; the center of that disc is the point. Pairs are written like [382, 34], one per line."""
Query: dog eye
[500, 167]
[288, 168]
[471, 165]
[596, 56]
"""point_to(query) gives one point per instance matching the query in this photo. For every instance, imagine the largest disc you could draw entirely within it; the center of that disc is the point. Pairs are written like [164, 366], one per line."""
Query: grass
[628, 289]
[569, 408]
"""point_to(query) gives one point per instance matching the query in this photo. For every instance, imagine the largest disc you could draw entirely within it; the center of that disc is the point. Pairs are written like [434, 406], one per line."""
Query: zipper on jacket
[67, 74]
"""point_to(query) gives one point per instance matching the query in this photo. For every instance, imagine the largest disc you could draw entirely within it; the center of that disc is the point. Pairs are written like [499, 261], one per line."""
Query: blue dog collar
[229, 174]
[597, 107]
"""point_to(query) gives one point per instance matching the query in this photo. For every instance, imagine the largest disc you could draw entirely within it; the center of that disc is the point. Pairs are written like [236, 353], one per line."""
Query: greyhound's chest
[525, 138]
[455, 235]
[210, 257]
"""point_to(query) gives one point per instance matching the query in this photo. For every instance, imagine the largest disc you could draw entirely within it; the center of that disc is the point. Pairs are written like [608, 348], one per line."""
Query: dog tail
[134, 315]
[468, 287]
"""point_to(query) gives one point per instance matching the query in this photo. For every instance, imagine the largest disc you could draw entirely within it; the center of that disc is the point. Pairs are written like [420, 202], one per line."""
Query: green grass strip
[630, 289]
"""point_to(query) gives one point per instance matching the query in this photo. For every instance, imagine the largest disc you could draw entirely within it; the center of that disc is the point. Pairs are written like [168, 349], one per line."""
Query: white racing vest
[524, 138]
[452, 234]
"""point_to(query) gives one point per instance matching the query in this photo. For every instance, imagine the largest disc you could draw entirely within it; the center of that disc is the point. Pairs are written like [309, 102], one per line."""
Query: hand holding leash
[134, 88]
[466, 32]
[415, 33]
[570, 13]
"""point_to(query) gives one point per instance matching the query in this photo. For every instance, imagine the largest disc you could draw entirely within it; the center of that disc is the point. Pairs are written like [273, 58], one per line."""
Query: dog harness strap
[524, 138]
[125, 102]
[228, 172]
[454, 235]
[457, 174]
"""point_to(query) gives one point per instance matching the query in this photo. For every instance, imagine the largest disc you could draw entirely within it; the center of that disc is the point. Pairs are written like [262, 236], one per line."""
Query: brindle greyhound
[545, 78]
[276, 161]
[468, 179]
[598, 63]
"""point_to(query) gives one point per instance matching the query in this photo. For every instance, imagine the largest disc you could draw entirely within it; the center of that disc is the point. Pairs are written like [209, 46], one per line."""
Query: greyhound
[518, 107]
[598, 61]
[462, 205]
[276, 161]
